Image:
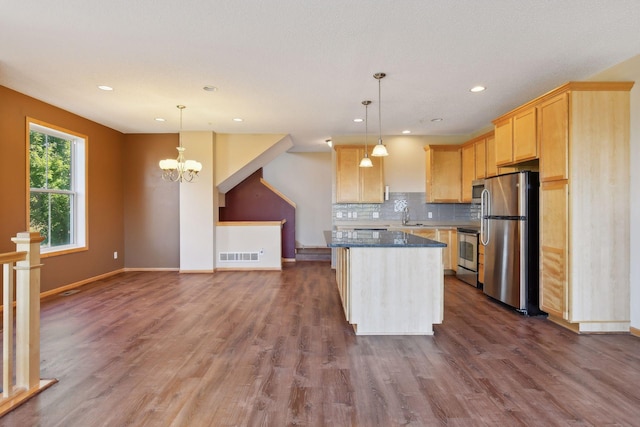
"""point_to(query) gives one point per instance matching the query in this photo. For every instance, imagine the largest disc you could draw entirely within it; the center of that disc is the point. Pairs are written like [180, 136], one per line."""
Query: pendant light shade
[366, 161]
[379, 150]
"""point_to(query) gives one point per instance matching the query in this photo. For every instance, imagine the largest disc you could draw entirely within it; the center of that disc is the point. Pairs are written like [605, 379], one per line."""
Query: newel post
[28, 310]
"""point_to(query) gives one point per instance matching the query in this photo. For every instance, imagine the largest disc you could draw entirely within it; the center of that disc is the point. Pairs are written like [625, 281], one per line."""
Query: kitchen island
[390, 282]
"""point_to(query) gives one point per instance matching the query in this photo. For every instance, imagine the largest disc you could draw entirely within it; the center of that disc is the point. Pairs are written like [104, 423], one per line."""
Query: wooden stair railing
[25, 361]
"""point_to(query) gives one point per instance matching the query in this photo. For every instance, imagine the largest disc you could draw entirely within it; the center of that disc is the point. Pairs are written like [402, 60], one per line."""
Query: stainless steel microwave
[476, 190]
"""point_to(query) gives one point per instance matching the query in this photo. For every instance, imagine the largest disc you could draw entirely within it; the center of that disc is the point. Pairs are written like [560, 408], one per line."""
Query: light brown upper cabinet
[468, 170]
[525, 140]
[444, 173]
[516, 137]
[553, 119]
[490, 150]
[504, 141]
[481, 158]
[355, 184]
[475, 162]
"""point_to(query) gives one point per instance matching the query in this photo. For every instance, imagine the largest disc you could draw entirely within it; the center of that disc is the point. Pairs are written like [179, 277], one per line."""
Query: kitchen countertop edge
[384, 239]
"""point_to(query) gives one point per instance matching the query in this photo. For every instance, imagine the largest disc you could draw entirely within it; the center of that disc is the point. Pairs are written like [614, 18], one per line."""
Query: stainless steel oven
[467, 270]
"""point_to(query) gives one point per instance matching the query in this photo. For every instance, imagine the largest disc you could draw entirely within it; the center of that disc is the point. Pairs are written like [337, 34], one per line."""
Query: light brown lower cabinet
[342, 277]
[449, 236]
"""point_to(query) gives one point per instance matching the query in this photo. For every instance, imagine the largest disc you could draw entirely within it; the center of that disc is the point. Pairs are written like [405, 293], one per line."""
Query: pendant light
[179, 169]
[366, 161]
[379, 150]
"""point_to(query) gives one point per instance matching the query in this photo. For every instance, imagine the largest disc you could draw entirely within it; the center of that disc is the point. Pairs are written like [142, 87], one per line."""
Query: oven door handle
[485, 207]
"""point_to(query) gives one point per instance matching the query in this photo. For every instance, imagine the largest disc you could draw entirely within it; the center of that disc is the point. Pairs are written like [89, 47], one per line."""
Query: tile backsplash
[391, 210]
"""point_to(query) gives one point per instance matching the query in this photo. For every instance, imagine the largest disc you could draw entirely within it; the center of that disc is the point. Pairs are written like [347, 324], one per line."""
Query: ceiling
[303, 67]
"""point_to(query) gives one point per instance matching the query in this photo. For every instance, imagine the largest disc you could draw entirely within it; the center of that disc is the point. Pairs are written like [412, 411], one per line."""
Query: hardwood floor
[273, 349]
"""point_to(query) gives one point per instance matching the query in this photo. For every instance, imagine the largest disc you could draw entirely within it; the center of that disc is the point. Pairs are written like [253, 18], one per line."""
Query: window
[57, 187]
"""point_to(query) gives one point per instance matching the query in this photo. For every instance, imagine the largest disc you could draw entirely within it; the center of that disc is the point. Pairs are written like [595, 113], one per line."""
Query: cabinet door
[348, 174]
[450, 253]
[480, 263]
[343, 279]
[372, 181]
[468, 170]
[444, 166]
[504, 142]
[453, 248]
[490, 149]
[553, 121]
[553, 248]
[481, 159]
[355, 184]
[525, 141]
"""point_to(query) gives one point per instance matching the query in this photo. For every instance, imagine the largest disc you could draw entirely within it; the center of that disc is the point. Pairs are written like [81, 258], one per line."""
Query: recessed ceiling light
[437, 119]
[210, 88]
[406, 132]
[159, 119]
[238, 119]
[358, 120]
[477, 89]
[104, 87]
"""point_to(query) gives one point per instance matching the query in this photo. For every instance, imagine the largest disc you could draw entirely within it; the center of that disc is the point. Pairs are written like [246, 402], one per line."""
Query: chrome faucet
[405, 216]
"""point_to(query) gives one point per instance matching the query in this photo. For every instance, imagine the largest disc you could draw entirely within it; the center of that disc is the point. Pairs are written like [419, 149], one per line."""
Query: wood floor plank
[273, 349]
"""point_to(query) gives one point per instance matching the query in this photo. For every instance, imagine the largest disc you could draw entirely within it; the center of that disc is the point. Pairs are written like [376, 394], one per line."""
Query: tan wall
[151, 211]
[234, 151]
[105, 189]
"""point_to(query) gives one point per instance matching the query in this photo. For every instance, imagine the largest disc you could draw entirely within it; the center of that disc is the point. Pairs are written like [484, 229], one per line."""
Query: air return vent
[239, 256]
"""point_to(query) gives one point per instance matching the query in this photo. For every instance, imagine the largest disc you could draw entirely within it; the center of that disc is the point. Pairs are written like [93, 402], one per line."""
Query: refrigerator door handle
[485, 207]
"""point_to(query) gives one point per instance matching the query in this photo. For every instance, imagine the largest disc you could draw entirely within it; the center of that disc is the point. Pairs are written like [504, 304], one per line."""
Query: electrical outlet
[430, 215]
[375, 215]
[115, 255]
[338, 214]
[355, 214]
[348, 214]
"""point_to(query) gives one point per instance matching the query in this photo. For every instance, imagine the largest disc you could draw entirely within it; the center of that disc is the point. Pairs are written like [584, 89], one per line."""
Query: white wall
[304, 178]
[630, 71]
[198, 206]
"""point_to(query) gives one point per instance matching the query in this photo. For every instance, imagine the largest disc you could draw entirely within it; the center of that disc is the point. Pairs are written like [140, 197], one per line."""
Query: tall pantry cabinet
[583, 137]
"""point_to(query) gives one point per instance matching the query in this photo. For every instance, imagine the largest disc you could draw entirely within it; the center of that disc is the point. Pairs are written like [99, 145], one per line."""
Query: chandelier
[366, 161]
[179, 169]
[379, 150]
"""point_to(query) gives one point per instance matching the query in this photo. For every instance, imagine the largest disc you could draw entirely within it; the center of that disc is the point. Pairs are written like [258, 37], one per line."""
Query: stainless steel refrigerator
[509, 232]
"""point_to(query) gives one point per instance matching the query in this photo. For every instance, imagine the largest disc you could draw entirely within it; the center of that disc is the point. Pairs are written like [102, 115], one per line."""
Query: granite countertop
[378, 238]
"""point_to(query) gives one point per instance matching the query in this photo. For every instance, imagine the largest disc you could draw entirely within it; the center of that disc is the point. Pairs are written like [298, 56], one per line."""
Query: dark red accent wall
[252, 201]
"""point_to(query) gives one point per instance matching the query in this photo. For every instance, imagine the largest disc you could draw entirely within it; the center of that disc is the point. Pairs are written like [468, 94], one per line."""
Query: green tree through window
[54, 188]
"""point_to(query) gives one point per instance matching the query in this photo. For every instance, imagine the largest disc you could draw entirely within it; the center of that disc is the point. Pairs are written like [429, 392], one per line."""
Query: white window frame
[79, 208]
